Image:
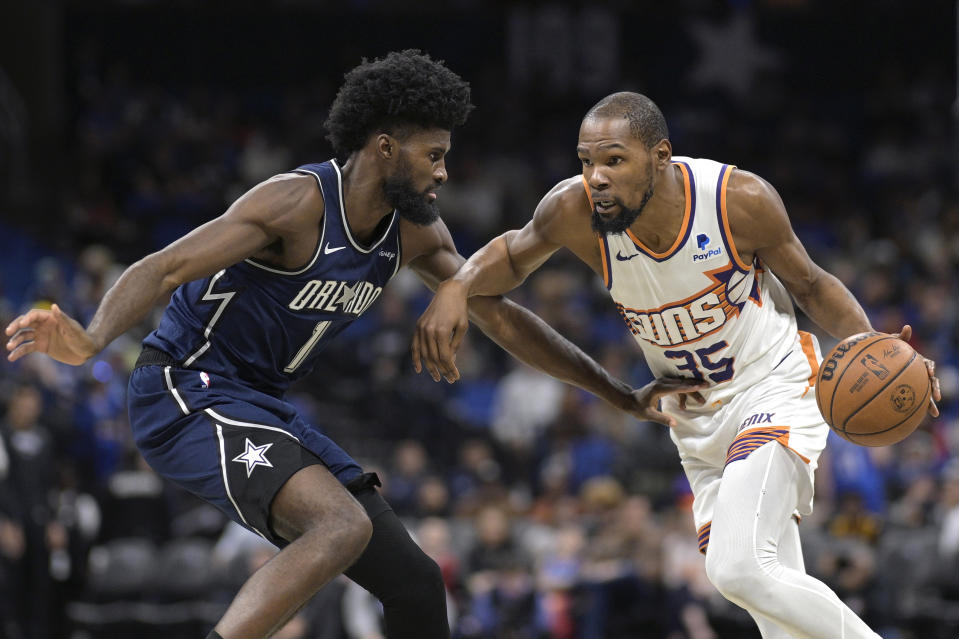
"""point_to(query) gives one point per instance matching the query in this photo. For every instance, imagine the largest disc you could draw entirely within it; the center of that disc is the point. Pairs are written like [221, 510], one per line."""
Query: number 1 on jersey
[722, 369]
[301, 354]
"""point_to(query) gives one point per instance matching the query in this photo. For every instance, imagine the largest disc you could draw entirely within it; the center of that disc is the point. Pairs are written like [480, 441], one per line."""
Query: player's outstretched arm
[760, 226]
[254, 221]
[525, 336]
[500, 266]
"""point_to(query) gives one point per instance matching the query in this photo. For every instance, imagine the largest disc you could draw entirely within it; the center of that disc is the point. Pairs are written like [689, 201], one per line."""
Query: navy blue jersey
[264, 326]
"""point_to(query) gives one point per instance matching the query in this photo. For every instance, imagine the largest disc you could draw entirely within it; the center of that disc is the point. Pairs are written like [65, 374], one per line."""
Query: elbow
[157, 268]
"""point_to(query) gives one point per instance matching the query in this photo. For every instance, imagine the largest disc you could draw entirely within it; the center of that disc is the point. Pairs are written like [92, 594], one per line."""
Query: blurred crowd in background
[550, 514]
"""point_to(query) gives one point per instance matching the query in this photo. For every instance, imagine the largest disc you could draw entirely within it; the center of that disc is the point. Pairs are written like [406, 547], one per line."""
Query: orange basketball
[873, 389]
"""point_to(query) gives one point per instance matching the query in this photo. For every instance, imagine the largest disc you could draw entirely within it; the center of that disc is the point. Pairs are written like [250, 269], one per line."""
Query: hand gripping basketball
[873, 389]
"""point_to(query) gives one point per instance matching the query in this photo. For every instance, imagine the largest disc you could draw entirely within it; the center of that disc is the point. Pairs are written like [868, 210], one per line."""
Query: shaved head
[646, 121]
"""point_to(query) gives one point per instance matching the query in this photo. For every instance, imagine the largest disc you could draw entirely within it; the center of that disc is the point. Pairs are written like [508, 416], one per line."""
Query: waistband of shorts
[150, 356]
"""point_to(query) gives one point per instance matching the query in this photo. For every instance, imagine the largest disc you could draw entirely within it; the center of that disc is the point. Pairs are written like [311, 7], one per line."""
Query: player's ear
[663, 151]
[386, 146]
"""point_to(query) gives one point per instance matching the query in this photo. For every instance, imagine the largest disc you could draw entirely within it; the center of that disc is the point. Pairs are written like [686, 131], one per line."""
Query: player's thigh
[312, 498]
[704, 481]
[757, 498]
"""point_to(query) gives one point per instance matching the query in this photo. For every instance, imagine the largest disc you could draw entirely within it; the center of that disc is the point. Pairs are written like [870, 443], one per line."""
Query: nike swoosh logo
[625, 258]
[327, 249]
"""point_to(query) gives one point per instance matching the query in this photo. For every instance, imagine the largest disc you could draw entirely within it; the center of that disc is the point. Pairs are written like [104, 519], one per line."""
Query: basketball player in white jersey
[700, 260]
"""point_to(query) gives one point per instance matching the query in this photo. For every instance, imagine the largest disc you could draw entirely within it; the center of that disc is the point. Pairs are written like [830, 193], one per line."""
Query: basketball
[873, 389]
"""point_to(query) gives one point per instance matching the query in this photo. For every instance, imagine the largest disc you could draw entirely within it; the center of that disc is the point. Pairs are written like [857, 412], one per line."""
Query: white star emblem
[254, 456]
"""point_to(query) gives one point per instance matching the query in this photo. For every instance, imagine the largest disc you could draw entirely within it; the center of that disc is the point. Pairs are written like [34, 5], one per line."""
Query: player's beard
[411, 204]
[624, 220]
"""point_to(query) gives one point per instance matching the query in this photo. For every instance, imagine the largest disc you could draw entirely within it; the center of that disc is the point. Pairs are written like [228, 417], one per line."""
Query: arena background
[124, 124]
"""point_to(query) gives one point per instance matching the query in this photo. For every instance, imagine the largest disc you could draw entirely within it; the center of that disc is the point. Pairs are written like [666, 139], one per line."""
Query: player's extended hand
[52, 332]
[440, 331]
[936, 395]
[646, 399]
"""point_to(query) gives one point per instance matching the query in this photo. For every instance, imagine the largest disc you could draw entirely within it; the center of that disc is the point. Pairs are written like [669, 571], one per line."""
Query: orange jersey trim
[807, 347]
[588, 195]
[684, 227]
[749, 440]
[725, 217]
[702, 535]
[603, 255]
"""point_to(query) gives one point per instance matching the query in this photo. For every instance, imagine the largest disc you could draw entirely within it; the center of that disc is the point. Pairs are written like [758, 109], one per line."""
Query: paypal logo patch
[702, 241]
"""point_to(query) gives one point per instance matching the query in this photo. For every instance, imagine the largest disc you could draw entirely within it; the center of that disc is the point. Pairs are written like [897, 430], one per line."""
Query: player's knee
[358, 529]
[347, 530]
[423, 587]
[739, 578]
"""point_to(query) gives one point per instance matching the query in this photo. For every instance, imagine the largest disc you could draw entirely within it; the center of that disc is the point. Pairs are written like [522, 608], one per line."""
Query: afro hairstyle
[389, 95]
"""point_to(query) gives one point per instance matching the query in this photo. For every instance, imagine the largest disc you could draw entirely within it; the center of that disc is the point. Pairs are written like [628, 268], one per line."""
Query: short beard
[411, 204]
[621, 222]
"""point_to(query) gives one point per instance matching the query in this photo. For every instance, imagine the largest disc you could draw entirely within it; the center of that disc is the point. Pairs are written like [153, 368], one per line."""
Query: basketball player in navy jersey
[701, 260]
[257, 293]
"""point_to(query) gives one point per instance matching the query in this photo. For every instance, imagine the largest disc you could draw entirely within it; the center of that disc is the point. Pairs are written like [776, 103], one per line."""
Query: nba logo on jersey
[204, 379]
[702, 241]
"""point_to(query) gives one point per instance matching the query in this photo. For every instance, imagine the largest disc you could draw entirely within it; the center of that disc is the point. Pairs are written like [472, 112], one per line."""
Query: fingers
[933, 409]
[434, 348]
[446, 349]
[906, 333]
[695, 396]
[24, 321]
[24, 348]
[931, 369]
[21, 337]
[432, 356]
[660, 418]
[415, 351]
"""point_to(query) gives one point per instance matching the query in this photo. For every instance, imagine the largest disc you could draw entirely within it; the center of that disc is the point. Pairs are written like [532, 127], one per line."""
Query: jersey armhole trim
[727, 234]
[604, 258]
[316, 252]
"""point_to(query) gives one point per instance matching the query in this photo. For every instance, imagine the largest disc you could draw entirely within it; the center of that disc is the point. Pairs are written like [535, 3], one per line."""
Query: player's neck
[363, 198]
[659, 224]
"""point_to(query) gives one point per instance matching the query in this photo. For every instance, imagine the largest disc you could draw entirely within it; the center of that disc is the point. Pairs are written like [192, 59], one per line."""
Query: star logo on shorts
[254, 456]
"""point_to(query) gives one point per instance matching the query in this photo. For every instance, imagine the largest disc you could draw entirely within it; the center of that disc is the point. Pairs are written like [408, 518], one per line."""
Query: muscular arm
[506, 261]
[267, 212]
[514, 328]
[760, 226]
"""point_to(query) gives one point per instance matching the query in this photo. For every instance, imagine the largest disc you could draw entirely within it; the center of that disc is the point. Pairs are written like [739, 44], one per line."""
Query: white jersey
[697, 310]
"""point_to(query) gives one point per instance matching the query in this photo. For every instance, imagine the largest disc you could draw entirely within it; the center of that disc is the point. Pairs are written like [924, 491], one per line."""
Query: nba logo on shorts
[204, 379]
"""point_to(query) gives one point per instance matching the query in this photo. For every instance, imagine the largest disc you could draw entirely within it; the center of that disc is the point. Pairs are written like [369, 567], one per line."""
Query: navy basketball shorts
[225, 442]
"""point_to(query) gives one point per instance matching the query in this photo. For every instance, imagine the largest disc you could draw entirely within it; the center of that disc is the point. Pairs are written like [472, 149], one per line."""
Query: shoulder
[295, 189]
[564, 212]
[568, 196]
[290, 204]
[754, 209]
[284, 196]
[417, 240]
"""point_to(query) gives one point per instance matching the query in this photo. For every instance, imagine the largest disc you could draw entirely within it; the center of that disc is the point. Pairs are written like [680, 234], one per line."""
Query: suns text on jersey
[684, 322]
[336, 296]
